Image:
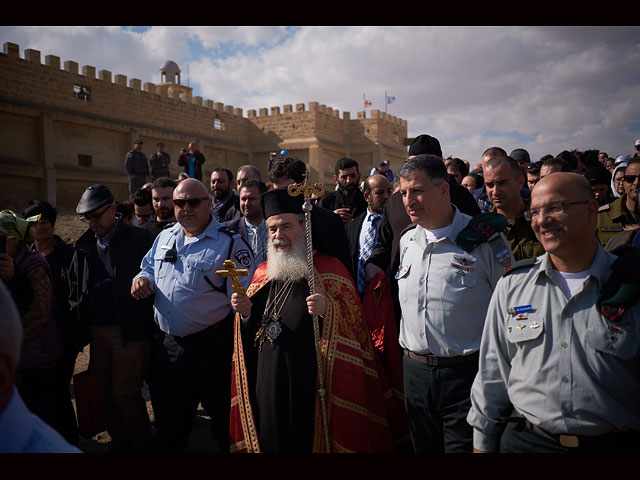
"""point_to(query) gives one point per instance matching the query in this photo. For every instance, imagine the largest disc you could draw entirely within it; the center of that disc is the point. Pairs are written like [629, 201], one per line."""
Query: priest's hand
[317, 304]
[241, 304]
[141, 288]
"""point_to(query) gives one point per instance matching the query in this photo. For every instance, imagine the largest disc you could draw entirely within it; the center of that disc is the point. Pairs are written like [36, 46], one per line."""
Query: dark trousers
[437, 399]
[517, 437]
[120, 369]
[201, 373]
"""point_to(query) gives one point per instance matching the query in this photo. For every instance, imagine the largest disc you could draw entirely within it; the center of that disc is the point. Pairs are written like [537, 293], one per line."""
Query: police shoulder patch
[243, 257]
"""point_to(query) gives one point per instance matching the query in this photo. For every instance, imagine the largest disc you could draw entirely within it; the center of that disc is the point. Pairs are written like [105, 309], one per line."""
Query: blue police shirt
[189, 295]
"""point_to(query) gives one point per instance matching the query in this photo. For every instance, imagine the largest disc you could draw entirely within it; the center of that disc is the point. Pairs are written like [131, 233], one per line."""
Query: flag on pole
[390, 99]
[367, 103]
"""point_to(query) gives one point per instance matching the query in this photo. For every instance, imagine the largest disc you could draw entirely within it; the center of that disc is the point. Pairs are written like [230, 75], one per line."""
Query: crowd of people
[446, 307]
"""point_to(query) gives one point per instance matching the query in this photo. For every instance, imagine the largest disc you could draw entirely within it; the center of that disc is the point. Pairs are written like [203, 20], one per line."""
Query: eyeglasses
[94, 216]
[551, 209]
[630, 178]
[193, 202]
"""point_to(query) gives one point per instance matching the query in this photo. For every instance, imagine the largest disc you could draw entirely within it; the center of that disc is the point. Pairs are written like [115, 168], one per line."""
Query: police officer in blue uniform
[195, 320]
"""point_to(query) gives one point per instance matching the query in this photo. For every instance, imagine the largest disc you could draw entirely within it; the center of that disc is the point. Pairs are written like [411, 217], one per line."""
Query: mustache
[281, 242]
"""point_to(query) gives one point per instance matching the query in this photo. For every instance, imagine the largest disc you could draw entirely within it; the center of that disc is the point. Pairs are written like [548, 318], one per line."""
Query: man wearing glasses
[106, 258]
[193, 312]
[559, 352]
[622, 213]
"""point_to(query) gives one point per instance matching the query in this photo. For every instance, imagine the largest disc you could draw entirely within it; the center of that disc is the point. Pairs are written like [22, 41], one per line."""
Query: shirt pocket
[199, 274]
[402, 277]
[614, 338]
[526, 335]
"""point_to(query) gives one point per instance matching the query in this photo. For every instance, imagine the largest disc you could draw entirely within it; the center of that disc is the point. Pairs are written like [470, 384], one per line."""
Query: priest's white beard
[287, 265]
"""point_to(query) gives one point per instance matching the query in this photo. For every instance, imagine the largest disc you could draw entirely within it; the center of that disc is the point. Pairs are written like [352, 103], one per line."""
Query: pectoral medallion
[270, 328]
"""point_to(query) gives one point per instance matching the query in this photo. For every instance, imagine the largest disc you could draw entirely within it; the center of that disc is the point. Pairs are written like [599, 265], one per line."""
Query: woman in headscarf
[42, 344]
[617, 186]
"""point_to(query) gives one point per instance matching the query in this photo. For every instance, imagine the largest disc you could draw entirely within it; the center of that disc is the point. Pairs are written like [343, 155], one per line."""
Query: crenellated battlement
[64, 125]
[89, 74]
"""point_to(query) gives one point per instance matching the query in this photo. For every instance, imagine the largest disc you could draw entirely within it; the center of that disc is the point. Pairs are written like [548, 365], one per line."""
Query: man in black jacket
[106, 258]
[347, 201]
[192, 161]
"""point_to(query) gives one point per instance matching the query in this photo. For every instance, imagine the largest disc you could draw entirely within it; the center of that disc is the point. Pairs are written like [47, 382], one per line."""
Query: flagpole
[385, 101]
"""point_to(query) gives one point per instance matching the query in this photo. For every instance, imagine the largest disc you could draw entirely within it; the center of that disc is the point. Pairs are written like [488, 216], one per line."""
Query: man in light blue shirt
[193, 313]
[20, 430]
[444, 287]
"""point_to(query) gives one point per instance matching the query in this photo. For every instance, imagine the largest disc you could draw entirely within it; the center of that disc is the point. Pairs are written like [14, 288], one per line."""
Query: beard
[287, 264]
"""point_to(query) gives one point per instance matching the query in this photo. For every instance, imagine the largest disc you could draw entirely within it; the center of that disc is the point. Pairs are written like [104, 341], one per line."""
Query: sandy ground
[69, 227]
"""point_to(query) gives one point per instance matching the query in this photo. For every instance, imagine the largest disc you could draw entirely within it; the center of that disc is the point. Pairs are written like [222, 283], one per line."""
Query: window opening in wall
[85, 160]
[82, 93]
[217, 124]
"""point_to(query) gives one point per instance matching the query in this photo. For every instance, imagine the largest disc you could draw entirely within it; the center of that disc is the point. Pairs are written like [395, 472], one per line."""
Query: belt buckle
[569, 441]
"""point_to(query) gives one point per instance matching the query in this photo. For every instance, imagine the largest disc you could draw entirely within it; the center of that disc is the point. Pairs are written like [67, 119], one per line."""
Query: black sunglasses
[193, 202]
[630, 178]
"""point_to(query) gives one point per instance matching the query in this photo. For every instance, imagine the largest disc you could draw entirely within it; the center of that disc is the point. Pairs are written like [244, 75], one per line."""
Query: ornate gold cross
[306, 189]
[232, 272]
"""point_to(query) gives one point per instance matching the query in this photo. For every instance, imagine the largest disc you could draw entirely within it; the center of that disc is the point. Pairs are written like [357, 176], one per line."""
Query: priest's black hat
[278, 200]
[93, 198]
[425, 144]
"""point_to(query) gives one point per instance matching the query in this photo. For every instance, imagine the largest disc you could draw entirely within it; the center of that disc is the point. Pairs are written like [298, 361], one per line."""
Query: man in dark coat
[106, 258]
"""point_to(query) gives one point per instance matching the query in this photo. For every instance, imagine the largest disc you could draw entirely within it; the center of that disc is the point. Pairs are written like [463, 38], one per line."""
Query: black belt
[573, 441]
[436, 361]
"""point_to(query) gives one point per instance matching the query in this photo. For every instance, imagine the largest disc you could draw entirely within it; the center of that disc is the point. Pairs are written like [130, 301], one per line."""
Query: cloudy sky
[545, 89]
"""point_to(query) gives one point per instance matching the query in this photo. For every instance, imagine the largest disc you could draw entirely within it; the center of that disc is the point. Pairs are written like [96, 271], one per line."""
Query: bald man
[192, 361]
[560, 343]
[362, 232]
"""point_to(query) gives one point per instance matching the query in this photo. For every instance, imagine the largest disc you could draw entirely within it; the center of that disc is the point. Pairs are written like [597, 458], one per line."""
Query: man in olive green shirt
[503, 180]
[616, 216]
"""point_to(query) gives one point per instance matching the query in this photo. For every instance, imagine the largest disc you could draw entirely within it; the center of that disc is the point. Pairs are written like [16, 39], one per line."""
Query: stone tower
[170, 81]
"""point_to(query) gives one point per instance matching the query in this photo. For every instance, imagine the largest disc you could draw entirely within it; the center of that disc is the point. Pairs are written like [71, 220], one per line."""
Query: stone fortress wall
[63, 128]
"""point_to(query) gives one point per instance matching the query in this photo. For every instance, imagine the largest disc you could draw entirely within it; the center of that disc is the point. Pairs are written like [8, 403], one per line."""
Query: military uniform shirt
[560, 365]
[187, 299]
[444, 291]
[612, 219]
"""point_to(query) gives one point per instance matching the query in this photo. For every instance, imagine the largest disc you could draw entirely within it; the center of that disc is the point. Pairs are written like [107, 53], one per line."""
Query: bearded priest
[276, 405]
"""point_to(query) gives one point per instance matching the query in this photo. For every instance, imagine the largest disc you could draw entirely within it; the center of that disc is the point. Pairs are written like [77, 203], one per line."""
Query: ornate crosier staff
[307, 190]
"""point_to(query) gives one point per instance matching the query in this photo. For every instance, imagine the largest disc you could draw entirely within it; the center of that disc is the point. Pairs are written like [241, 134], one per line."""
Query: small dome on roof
[170, 65]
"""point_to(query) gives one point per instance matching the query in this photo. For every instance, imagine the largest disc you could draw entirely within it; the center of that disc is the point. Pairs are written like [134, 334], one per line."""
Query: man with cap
[159, 162]
[637, 149]
[106, 259]
[135, 163]
[277, 406]
[521, 156]
[384, 168]
[194, 317]
[449, 266]
[600, 179]
[623, 212]
[559, 352]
